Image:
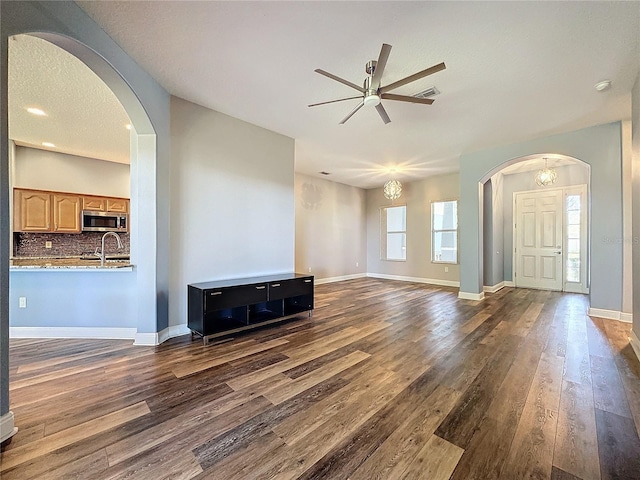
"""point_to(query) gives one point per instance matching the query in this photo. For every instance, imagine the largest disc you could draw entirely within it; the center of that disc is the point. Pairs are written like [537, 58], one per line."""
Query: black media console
[229, 306]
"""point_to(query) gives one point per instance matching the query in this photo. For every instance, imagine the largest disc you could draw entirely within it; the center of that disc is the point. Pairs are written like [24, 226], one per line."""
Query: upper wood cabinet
[105, 204]
[31, 211]
[118, 205]
[96, 204]
[66, 213]
[40, 211]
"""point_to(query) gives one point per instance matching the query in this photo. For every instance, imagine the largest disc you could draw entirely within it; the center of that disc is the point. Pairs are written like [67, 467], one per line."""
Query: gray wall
[417, 196]
[600, 147]
[331, 231]
[636, 205]
[493, 255]
[521, 182]
[232, 200]
[46, 170]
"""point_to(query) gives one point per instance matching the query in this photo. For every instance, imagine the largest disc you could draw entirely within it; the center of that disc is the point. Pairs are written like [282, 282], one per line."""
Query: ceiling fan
[372, 92]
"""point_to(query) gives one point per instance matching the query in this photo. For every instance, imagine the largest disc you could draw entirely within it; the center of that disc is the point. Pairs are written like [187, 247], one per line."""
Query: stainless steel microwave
[104, 221]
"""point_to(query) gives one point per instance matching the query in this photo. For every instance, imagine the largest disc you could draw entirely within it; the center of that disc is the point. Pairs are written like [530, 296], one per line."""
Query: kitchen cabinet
[229, 306]
[117, 205]
[105, 204]
[31, 211]
[58, 212]
[95, 204]
[66, 213]
[37, 211]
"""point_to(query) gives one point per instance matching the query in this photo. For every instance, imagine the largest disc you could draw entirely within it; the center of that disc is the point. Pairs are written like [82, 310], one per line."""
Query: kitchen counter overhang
[34, 264]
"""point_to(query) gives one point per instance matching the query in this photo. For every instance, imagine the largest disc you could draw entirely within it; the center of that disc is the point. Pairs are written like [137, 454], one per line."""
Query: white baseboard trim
[610, 314]
[320, 281]
[173, 331]
[7, 427]
[73, 332]
[430, 281]
[493, 288]
[154, 339]
[471, 296]
[635, 343]
[509, 283]
[626, 317]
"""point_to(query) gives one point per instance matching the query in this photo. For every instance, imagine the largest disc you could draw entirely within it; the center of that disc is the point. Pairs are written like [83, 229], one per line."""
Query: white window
[575, 239]
[393, 242]
[444, 232]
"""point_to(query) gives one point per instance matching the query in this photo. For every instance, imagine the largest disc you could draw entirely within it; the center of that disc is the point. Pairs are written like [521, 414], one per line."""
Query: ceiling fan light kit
[372, 92]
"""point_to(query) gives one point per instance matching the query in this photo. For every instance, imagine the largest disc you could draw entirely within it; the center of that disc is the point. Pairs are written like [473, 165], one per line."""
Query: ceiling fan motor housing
[370, 67]
[371, 96]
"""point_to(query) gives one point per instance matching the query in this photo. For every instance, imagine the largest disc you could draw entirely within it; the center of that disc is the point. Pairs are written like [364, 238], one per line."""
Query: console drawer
[290, 288]
[229, 297]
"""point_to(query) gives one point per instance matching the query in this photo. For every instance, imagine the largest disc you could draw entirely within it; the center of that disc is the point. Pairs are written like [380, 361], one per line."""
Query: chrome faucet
[102, 252]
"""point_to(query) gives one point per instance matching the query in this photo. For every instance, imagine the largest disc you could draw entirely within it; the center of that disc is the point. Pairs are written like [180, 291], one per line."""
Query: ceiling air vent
[325, 173]
[429, 92]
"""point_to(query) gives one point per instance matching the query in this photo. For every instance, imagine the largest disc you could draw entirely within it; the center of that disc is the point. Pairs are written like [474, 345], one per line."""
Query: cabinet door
[96, 204]
[32, 211]
[66, 213]
[118, 205]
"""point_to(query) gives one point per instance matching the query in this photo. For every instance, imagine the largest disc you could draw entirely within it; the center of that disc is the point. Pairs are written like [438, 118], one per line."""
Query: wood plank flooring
[387, 380]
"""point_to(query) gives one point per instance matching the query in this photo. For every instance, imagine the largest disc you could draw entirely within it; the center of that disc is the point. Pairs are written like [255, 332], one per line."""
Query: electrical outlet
[47, 244]
[309, 269]
[357, 264]
[446, 269]
[22, 301]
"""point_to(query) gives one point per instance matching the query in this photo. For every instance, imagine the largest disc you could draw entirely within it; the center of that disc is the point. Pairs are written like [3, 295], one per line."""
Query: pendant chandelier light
[392, 189]
[546, 176]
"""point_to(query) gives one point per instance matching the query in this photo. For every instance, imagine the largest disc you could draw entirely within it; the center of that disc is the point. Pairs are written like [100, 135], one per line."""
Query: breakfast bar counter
[32, 264]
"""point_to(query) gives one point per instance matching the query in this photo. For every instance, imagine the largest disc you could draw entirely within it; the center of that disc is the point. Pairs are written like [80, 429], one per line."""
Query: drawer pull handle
[307, 281]
[216, 293]
[261, 288]
[275, 285]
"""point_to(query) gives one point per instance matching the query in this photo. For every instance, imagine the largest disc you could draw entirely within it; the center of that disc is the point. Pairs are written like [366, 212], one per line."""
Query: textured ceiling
[515, 71]
[83, 116]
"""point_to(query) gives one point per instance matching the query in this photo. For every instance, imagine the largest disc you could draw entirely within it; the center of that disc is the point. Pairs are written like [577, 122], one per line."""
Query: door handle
[558, 253]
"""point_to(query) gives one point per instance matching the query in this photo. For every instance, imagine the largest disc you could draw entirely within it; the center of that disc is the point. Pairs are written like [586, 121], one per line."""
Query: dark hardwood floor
[387, 380]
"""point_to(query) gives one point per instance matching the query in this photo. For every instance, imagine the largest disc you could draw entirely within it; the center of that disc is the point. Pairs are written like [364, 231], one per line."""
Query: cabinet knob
[261, 288]
[307, 281]
[275, 285]
[216, 293]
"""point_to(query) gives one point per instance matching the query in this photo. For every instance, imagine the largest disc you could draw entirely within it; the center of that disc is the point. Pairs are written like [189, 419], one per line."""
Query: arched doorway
[147, 104]
[536, 236]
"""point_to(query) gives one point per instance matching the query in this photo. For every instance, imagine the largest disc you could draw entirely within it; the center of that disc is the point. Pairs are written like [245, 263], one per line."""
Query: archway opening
[536, 236]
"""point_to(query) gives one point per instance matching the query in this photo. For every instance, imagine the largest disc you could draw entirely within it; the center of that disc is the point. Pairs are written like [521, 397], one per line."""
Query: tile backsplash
[65, 244]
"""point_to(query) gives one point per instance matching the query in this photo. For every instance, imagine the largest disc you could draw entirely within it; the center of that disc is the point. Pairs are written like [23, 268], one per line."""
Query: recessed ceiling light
[36, 111]
[128, 126]
[48, 144]
[603, 85]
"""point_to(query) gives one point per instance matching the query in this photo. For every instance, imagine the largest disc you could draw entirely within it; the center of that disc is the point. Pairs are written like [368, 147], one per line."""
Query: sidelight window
[574, 227]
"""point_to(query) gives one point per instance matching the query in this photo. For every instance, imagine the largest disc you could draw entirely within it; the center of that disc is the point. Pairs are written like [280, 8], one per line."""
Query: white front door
[538, 248]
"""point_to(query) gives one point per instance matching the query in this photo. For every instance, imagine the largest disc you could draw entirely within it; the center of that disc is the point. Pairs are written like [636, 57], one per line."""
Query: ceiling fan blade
[341, 80]
[406, 98]
[414, 77]
[358, 107]
[382, 62]
[383, 113]
[334, 101]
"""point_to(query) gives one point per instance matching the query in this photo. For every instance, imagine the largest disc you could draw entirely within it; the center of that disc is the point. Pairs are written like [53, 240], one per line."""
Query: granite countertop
[76, 263]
